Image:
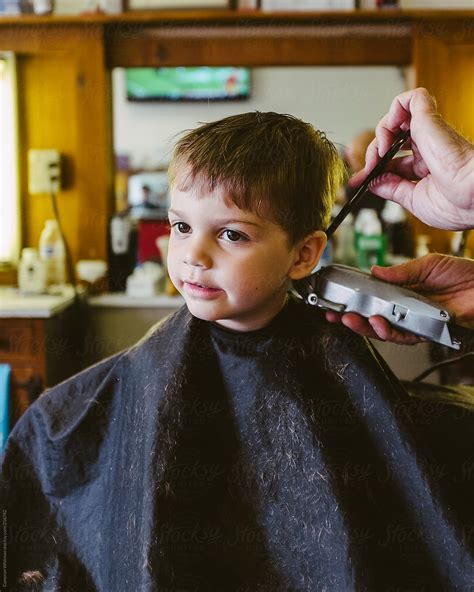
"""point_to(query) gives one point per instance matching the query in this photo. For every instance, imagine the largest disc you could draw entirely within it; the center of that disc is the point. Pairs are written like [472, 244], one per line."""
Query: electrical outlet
[44, 171]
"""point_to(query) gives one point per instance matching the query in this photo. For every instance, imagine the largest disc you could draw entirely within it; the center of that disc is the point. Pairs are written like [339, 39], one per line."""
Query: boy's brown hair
[270, 164]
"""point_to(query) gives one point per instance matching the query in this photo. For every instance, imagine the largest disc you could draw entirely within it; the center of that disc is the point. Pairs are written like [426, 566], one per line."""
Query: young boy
[250, 197]
[244, 444]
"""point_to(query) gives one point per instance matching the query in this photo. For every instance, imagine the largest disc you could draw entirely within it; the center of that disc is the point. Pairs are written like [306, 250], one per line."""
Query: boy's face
[231, 266]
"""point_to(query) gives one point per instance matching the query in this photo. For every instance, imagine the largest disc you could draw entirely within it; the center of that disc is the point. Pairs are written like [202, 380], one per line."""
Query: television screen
[202, 83]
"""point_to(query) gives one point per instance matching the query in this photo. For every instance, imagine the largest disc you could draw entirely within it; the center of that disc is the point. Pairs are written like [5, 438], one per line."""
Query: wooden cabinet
[41, 352]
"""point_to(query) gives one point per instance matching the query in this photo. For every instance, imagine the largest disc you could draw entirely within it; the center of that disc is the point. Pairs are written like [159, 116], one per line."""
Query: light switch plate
[42, 166]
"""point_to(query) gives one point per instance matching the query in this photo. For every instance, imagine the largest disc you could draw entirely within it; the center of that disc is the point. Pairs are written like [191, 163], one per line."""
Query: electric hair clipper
[345, 289]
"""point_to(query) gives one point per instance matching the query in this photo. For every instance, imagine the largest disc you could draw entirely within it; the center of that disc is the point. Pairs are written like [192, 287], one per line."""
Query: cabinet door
[17, 340]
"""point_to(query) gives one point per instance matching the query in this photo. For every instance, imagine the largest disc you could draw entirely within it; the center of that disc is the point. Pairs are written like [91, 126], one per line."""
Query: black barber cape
[200, 459]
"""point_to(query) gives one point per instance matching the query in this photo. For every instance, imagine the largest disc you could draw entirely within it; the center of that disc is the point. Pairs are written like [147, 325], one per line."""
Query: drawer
[17, 339]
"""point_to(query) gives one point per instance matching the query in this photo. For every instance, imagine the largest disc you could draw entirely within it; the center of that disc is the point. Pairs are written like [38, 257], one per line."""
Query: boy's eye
[233, 236]
[181, 227]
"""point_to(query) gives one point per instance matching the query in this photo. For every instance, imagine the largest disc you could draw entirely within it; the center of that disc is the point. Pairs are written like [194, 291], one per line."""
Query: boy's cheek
[174, 278]
[172, 272]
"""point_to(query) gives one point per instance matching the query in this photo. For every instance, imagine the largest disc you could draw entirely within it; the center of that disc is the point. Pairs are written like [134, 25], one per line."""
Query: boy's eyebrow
[220, 221]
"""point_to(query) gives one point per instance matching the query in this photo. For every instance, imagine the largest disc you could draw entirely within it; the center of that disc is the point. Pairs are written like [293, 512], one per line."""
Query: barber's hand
[442, 164]
[446, 280]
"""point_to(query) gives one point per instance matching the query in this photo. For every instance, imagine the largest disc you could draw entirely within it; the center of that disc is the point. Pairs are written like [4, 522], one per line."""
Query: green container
[371, 250]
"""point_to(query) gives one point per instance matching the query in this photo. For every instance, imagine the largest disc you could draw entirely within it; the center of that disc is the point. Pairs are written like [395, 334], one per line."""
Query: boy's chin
[199, 311]
[212, 316]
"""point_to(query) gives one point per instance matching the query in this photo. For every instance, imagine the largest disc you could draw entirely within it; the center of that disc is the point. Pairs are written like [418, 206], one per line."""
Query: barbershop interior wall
[341, 101]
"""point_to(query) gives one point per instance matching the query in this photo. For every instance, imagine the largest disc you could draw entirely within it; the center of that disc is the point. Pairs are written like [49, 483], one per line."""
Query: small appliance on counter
[146, 281]
[91, 273]
[122, 251]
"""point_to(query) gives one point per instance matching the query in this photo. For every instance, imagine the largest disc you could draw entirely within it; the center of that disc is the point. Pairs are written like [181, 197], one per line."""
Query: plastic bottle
[53, 253]
[345, 252]
[422, 245]
[32, 273]
[397, 230]
[370, 241]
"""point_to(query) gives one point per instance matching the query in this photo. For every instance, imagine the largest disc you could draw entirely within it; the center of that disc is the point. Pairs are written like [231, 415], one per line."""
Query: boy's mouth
[200, 289]
[199, 284]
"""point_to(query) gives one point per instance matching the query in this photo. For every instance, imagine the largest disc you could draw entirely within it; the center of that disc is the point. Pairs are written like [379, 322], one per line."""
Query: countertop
[13, 304]
[121, 300]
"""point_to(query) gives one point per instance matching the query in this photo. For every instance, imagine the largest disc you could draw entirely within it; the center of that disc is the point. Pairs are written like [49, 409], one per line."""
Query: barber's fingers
[391, 186]
[417, 104]
[373, 152]
[406, 166]
[357, 180]
[443, 150]
[371, 156]
[358, 324]
[387, 332]
[410, 167]
[396, 120]
[431, 139]
[353, 321]
[375, 327]
[411, 273]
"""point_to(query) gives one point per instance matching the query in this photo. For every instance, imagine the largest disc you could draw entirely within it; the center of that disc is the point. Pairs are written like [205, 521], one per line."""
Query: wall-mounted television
[201, 83]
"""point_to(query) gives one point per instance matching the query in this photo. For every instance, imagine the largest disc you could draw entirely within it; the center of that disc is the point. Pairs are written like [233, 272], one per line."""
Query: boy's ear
[308, 253]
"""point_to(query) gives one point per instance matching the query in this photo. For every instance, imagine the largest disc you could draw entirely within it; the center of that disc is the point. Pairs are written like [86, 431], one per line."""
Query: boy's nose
[197, 254]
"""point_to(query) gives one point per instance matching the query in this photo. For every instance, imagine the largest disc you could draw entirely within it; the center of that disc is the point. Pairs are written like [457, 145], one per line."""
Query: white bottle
[345, 252]
[422, 245]
[53, 253]
[32, 273]
[370, 242]
[368, 223]
[111, 6]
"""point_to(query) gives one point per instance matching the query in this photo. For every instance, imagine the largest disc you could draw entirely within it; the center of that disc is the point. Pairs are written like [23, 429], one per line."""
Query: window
[9, 177]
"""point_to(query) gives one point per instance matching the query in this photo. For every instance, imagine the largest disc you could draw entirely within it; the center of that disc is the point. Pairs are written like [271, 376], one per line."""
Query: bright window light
[9, 177]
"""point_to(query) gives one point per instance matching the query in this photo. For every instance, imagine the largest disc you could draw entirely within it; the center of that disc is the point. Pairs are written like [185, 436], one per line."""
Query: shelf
[167, 38]
[224, 16]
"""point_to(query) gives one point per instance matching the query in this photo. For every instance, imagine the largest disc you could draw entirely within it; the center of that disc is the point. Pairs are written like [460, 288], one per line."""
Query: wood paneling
[95, 150]
[332, 45]
[444, 64]
[47, 110]
[443, 57]
[65, 103]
